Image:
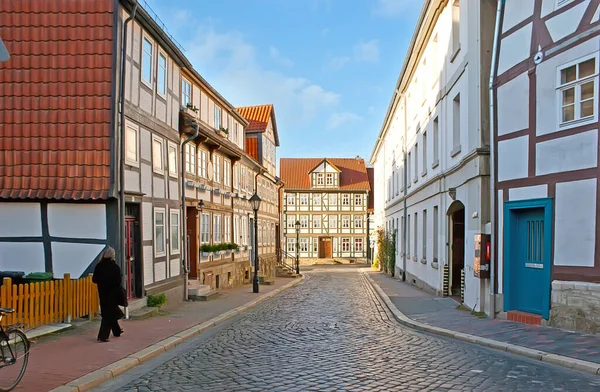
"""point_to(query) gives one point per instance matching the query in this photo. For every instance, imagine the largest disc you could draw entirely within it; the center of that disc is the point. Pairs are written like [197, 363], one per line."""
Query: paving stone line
[97, 377]
[561, 360]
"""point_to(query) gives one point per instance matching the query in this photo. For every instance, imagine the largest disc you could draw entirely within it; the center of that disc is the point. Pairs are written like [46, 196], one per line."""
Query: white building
[431, 158]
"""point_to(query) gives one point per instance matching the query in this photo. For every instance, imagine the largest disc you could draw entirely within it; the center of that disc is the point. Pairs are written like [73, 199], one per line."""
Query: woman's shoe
[103, 340]
[120, 333]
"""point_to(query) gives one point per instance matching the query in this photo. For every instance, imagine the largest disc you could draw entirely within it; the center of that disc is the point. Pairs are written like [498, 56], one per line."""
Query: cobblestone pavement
[331, 334]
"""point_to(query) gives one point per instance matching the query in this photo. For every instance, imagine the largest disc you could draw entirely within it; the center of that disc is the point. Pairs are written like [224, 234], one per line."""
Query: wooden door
[192, 240]
[325, 248]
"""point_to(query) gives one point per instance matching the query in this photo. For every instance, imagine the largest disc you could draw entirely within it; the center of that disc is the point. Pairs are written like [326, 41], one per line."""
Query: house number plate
[534, 265]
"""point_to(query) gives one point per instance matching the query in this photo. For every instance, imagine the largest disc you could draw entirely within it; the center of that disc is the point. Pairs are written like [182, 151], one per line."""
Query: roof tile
[295, 172]
[258, 116]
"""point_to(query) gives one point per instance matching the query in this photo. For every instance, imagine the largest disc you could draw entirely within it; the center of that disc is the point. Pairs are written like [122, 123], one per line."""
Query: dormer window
[320, 181]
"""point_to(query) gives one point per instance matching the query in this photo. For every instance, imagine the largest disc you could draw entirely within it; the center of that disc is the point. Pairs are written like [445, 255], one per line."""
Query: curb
[543, 356]
[97, 377]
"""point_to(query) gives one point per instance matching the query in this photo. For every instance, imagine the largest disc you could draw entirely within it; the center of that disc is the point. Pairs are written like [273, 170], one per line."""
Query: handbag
[122, 299]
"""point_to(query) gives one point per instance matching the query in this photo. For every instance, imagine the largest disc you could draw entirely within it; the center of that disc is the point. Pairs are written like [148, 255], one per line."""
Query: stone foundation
[173, 289]
[415, 281]
[224, 274]
[575, 306]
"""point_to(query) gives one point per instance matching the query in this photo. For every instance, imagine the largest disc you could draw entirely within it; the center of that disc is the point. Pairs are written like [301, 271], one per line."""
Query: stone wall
[173, 290]
[234, 273]
[575, 306]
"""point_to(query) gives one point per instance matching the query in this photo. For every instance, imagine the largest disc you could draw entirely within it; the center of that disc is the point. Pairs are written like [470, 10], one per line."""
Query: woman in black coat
[107, 275]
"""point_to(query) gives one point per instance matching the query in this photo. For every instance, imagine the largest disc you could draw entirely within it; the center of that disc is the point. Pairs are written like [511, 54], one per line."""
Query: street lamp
[298, 247]
[255, 203]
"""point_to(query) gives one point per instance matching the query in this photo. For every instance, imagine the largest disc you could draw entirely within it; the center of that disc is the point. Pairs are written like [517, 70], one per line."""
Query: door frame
[321, 248]
[509, 221]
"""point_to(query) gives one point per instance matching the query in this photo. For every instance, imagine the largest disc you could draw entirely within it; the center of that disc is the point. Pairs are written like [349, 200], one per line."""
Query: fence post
[5, 296]
[67, 301]
[93, 296]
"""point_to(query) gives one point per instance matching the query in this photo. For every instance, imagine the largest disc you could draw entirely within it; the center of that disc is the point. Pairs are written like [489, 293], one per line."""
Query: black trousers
[106, 326]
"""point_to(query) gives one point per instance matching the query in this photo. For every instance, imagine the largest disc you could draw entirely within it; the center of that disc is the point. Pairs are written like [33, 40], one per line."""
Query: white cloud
[367, 51]
[393, 8]
[278, 58]
[336, 120]
[338, 62]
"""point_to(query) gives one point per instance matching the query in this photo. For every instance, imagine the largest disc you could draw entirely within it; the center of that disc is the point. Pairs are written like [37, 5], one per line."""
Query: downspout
[281, 221]
[406, 179]
[121, 230]
[185, 260]
[493, 70]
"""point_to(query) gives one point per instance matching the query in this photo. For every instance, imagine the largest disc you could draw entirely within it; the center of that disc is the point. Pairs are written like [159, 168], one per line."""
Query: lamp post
[298, 247]
[255, 203]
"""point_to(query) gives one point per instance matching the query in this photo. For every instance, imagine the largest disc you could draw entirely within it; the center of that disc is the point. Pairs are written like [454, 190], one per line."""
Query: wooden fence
[42, 303]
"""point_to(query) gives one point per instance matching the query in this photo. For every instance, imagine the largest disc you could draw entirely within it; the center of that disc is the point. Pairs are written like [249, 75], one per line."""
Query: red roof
[258, 118]
[295, 172]
[55, 95]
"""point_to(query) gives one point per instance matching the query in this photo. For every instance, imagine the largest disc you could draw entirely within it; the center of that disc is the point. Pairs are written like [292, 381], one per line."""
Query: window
[131, 141]
[358, 245]
[190, 158]
[304, 221]
[345, 244]
[435, 233]
[408, 236]
[236, 177]
[147, 55]
[291, 221]
[303, 199]
[358, 199]
[358, 221]
[217, 120]
[216, 168]
[186, 93]
[400, 243]
[244, 230]
[317, 221]
[303, 244]
[227, 229]
[315, 242]
[329, 179]
[173, 169]
[436, 142]
[205, 229]
[159, 232]
[333, 222]
[291, 199]
[409, 161]
[320, 181]
[236, 230]
[227, 173]
[577, 89]
[235, 132]
[416, 161]
[346, 222]
[424, 245]
[455, 28]
[456, 125]
[157, 155]
[217, 228]
[416, 235]
[345, 200]
[161, 82]
[333, 200]
[202, 163]
[175, 232]
[291, 245]
[424, 153]
[317, 199]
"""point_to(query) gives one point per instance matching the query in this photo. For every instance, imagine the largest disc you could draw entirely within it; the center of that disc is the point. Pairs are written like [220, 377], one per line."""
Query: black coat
[107, 275]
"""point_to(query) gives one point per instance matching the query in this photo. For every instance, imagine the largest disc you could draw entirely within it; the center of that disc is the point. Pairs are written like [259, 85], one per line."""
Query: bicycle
[11, 338]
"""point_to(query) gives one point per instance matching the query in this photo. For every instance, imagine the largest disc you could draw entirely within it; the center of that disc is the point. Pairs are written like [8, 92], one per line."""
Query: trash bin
[16, 276]
[39, 277]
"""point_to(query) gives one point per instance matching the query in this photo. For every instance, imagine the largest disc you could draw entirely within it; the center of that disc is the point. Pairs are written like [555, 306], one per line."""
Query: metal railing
[287, 260]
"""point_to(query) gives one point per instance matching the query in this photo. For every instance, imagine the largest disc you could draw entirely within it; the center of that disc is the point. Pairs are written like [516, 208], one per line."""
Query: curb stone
[543, 356]
[99, 376]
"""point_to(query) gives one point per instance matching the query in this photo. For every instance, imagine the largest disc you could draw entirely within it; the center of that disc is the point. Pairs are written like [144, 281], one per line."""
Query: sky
[329, 67]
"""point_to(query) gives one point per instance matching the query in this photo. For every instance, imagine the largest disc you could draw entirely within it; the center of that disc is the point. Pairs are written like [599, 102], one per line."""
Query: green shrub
[156, 301]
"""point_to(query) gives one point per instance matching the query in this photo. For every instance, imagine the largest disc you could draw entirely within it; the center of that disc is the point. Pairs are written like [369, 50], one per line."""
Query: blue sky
[328, 66]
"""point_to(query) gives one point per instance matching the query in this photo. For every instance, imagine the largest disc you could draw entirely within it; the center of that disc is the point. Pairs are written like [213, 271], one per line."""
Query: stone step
[199, 290]
[143, 313]
[205, 296]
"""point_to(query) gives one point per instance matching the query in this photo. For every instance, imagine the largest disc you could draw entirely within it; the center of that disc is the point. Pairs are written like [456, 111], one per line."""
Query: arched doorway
[456, 215]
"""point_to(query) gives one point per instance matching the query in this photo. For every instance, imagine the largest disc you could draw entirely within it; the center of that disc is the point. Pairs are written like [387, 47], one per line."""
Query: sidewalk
[569, 348]
[59, 359]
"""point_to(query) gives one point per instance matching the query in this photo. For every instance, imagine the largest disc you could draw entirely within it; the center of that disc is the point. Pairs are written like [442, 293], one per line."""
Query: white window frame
[333, 199]
[303, 245]
[217, 117]
[290, 199]
[236, 177]
[158, 169]
[361, 242]
[227, 229]
[291, 221]
[166, 74]
[227, 172]
[202, 163]
[358, 199]
[304, 199]
[173, 168]
[317, 199]
[216, 168]
[190, 158]
[332, 221]
[291, 245]
[577, 121]
[317, 221]
[304, 221]
[358, 219]
[148, 83]
[320, 180]
[157, 253]
[329, 179]
[346, 241]
[128, 143]
[185, 99]
[205, 226]
[217, 226]
[345, 221]
[345, 199]
[175, 245]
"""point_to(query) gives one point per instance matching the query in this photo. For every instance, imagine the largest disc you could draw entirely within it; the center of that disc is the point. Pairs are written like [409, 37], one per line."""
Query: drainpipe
[406, 179]
[281, 222]
[122, 141]
[185, 260]
[493, 70]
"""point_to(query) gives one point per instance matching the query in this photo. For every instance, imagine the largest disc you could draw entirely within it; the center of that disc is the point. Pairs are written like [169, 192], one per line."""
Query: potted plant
[234, 247]
[207, 250]
[190, 108]
[224, 130]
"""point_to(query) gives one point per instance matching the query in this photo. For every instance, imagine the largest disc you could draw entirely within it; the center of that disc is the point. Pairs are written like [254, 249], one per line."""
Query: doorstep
[46, 330]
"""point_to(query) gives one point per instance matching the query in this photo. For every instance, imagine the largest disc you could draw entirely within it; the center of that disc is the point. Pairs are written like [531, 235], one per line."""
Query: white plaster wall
[22, 256]
[173, 189]
[500, 237]
[147, 221]
[566, 22]
[515, 48]
[77, 220]
[20, 220]
[568, 153]
[159, 187]
[547, 106]
[148, 265]
[513, 105]
[146, 144]
[175, 267]
[132, 181]
[513, 156]
[160, 271]
[575, 223]
[73, 258]
[528, 192]
[146, 171]
[516, 11]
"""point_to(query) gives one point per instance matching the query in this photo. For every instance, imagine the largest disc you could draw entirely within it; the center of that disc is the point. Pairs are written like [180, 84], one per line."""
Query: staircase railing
[287, 260]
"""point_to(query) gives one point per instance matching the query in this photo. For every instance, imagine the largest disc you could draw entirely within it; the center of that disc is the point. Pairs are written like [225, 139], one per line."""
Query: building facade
[431, 158]
[329, 199]
[546, 168]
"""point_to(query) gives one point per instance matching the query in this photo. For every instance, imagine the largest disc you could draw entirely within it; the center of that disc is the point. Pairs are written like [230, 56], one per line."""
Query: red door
[130, 247]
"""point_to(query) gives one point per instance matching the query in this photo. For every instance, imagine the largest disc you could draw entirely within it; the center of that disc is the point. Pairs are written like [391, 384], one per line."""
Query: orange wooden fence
[42, 303]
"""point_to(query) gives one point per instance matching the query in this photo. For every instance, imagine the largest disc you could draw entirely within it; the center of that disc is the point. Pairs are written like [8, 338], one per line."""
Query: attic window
[320, 179]
[329, 179]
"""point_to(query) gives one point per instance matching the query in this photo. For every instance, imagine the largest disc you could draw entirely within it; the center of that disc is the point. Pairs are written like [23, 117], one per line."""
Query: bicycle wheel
[14, 354]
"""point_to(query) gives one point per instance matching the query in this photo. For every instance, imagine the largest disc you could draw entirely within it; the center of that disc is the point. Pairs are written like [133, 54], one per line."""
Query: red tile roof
[295, 172]
[258, 118]
[55, 99]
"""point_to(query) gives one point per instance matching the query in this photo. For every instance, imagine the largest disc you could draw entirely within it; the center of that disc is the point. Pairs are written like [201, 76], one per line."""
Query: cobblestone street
[330, 333]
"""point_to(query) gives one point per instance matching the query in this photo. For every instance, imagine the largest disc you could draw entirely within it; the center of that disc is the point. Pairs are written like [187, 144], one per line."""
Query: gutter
[122, 240]
[493, 252]
[406, 179]
[185, 260]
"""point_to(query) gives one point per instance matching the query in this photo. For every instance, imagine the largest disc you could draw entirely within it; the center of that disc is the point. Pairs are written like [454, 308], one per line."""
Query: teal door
[528, 259]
